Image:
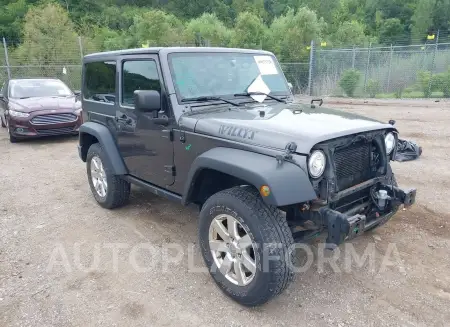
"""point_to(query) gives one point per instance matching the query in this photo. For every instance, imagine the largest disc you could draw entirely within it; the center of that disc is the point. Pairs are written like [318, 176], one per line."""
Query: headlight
[18, 113]
[316, 164]
[389, 141]
[78, 111]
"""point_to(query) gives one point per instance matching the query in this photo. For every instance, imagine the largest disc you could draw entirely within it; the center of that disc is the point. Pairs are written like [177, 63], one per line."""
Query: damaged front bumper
[344, 226]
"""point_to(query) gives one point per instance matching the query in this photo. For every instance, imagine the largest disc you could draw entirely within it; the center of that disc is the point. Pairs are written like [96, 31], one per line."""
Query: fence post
[433, 64]
[367, 67]
[354, 57]
[8, 68]
[311, 68]
[389, 71]
[80, 44]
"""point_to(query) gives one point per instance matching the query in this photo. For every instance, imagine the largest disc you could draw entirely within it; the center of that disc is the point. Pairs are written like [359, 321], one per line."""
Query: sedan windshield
[22, 89]
[197, 75]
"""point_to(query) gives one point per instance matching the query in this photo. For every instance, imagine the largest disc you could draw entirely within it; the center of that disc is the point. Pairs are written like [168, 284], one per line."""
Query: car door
[143, 141]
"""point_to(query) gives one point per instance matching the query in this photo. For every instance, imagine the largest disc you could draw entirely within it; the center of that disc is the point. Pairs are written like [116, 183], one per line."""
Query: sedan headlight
[389, 141]
[316, 164]
[14, 113]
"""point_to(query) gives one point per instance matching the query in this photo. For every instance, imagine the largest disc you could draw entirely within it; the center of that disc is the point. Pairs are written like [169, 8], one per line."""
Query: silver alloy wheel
[98, 176]
[232, 249]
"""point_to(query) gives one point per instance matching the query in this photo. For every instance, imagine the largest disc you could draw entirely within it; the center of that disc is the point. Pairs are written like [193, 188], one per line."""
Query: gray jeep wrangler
[220, 129]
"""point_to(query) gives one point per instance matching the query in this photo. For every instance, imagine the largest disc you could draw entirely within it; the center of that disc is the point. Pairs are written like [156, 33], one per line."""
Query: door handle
[124, 118]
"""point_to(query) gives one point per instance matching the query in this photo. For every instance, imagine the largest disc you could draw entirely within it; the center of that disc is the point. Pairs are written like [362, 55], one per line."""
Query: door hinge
[170, 169]
[169, 134]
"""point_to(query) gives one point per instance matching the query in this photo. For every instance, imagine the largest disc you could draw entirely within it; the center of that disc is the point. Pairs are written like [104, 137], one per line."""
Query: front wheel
[108, 189]
[246, 245]
[12, 138]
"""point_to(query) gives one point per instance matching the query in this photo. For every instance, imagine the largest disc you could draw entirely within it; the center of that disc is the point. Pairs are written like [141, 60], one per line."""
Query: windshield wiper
[260, 93]
[210, 98]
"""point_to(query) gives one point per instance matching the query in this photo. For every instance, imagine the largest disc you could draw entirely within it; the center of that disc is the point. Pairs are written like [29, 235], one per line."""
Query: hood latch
[290, 148]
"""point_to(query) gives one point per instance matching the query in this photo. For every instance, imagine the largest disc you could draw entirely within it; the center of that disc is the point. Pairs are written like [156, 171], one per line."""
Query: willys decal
[245, 133]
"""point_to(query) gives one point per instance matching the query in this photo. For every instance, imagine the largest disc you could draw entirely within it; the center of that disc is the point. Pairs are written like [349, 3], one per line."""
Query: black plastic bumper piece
[342, 226]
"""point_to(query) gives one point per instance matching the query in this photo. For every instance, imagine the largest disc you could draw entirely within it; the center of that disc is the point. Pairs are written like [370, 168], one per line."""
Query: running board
[152, 188]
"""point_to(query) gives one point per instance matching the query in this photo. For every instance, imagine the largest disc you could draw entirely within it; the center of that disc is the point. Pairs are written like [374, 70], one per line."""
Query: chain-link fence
[414, 71]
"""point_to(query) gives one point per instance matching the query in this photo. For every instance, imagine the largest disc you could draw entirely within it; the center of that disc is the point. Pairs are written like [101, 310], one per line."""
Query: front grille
[54, 119]
[352, 165]
[55, 131]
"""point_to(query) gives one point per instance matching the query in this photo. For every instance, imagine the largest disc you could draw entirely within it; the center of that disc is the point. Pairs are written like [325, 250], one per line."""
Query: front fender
[289, 184]
[106, 140]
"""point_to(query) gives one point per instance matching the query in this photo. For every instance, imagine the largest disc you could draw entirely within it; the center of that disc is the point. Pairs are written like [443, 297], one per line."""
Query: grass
[409, 95]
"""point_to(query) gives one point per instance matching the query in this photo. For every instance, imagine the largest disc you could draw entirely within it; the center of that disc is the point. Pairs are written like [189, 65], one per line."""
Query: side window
[100, 81]
[138, 75]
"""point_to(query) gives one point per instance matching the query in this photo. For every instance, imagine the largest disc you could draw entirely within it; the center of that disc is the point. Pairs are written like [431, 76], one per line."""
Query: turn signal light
[264, 190]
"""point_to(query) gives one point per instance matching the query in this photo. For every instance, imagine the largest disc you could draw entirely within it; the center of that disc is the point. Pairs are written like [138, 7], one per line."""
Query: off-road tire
[267, 226]
[118, 190]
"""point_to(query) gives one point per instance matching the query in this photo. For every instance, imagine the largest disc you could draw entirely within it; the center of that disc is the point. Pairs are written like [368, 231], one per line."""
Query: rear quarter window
[100, 81]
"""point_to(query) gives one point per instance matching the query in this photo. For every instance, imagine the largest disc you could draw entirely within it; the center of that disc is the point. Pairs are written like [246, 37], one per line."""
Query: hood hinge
[290, 148]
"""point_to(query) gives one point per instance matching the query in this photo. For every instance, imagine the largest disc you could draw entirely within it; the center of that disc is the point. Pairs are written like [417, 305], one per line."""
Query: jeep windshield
[226, 75]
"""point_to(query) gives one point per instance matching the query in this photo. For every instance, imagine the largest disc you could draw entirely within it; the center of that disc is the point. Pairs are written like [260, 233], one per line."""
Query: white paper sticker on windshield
[258, 86]
[266, 65]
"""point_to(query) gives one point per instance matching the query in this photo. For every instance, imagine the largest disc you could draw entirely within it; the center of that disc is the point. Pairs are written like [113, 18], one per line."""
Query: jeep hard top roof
[165, 51]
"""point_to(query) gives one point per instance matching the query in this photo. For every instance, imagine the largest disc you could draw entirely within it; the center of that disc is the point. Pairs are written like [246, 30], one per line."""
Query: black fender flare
[289, 184]
[108, 143]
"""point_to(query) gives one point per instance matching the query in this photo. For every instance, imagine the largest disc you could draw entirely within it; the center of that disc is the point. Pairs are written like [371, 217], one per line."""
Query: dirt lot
[51, 229]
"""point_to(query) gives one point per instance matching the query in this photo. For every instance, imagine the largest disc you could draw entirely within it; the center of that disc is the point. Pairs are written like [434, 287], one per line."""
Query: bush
[349, 81]
[429, 82]
[441, 82]
[373, 88]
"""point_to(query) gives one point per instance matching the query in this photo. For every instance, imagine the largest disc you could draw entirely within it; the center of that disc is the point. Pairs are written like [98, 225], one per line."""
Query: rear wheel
[108, 189]
[246, 245]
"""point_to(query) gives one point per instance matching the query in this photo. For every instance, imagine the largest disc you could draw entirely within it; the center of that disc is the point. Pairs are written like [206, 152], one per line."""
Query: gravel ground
[58, 268]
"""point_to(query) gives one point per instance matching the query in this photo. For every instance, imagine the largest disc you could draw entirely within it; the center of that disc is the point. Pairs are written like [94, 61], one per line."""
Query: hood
[280, 124]
[44, 103]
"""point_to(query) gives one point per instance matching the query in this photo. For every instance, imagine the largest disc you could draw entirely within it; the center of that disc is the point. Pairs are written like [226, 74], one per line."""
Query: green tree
[209, 27]
[349, 33]
[156, 28]
[392, 31]
[422, 20]
[48, 37]
[248, 32]
[290, 34]
[11, 19]
[255, 7]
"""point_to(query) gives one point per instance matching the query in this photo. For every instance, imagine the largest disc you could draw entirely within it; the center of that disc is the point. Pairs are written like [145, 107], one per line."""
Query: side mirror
[147, 101]
[77, 92]
[290, 85]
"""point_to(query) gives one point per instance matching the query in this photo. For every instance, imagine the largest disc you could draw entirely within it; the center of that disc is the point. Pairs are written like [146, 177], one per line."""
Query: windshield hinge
[290, 148]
